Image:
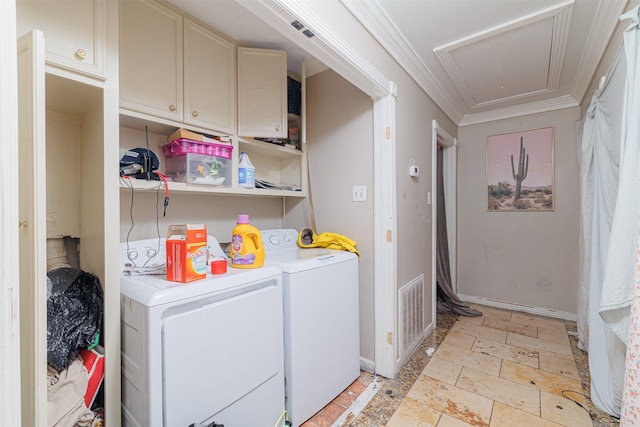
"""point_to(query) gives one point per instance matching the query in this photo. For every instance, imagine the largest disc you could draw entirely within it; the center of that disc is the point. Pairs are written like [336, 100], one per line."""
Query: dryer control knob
[274, 240]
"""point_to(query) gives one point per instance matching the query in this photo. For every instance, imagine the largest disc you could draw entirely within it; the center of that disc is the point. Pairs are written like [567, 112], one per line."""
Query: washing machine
[200, 352]
[321, 321]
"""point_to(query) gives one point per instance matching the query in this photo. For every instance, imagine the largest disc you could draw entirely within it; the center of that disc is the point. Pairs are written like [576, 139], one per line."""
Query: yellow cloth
[308, 239]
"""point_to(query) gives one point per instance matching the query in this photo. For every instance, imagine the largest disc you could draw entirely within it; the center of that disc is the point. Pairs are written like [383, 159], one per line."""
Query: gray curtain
[448, 301]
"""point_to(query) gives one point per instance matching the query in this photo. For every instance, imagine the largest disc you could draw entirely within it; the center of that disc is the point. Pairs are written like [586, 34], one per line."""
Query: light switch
[359, 193]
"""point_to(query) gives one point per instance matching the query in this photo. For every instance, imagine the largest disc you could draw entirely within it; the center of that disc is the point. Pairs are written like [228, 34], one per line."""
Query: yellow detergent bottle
[247, 250]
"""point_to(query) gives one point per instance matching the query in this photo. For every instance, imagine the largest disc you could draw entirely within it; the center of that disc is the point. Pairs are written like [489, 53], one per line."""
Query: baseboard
[427, 331]
[564, 315]
[367, 365]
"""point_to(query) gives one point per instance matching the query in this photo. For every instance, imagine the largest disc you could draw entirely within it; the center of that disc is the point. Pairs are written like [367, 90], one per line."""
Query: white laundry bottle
[246, 172]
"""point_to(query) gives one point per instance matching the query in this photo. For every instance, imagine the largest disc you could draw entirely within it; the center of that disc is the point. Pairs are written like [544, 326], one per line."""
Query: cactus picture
[523, 167]
[520, 171]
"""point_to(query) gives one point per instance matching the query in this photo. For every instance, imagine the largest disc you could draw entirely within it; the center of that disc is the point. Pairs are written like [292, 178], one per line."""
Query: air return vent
[411, 315]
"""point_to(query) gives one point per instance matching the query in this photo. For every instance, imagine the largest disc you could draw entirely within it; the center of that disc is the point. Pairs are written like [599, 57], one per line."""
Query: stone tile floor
[505, 368]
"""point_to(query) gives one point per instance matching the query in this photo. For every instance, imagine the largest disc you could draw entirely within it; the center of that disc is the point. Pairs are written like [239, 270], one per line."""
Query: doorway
[449, 145]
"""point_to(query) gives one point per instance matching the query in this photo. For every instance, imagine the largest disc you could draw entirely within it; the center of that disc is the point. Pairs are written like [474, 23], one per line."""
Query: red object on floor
[94, 362]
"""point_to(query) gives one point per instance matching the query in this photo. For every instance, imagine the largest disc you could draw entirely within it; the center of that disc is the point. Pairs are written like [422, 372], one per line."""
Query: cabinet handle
[172, 107]
[277, 128]
[81, 54]
[194, 113]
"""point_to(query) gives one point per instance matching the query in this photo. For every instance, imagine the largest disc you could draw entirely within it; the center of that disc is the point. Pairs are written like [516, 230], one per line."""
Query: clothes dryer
[321, 321]
[200, 352]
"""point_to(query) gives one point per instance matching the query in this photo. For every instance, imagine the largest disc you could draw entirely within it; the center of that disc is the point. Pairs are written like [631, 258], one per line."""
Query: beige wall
[520, 258]
[340, 151]
[524, 258]
[414, 113]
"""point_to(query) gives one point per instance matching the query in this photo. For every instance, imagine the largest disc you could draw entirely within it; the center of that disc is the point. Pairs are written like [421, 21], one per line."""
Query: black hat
[137, 156]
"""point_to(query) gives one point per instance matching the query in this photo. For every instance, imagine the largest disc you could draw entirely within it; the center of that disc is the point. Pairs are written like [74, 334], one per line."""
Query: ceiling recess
[514, 61]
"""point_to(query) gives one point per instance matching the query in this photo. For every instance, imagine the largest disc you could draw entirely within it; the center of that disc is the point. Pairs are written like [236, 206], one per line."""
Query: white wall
[526, 259]
[340, 152]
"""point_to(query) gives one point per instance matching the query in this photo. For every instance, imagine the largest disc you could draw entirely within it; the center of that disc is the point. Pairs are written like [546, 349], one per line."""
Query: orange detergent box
[186, 253]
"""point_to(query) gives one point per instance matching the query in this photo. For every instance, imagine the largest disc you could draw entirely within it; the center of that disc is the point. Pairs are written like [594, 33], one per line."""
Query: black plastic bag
[74, 314]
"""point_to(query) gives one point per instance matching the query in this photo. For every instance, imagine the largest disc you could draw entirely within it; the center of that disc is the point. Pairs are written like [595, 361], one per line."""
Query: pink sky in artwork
[538, 145]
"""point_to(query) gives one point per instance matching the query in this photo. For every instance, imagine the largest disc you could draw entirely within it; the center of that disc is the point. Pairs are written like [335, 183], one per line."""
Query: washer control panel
[279, 239]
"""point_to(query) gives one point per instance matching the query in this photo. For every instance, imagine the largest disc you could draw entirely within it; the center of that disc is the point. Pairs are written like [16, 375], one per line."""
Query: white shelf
[138, 121]
[268, 149]
[183, 187]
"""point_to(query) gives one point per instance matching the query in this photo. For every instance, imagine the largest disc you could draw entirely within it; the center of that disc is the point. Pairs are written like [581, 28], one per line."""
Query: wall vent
[411, 315]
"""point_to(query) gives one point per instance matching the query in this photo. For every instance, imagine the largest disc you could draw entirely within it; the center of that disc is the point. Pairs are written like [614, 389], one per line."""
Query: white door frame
[385, 242]
[32, 232]
[10, 401]
[341, 57]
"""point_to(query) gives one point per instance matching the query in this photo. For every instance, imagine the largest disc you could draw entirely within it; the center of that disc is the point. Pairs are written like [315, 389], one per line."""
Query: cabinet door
[262, 93]
[150, 59]
[32, 234]
[75, 31]
[209, 79]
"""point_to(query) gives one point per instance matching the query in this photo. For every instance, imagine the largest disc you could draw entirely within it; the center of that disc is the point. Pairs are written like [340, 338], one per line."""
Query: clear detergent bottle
[246, 172]
[246, 250]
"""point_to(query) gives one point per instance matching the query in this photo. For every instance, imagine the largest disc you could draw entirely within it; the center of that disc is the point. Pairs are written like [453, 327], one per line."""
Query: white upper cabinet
[209, 79]
[75, 32]
[175, 69]
[262, 93]
[151, 59]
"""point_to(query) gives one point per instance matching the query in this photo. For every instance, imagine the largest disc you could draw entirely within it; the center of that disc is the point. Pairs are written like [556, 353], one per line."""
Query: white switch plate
[359, 193]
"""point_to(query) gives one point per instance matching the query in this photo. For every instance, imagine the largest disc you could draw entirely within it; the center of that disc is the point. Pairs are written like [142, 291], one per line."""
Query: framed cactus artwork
[520, 171]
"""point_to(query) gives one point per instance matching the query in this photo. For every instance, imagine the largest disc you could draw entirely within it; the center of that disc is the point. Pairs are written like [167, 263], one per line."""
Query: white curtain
[617, 313]
[609, 158]
[620, 273]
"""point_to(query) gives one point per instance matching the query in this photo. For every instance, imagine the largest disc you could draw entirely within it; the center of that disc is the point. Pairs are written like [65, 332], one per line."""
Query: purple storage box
[182, 146]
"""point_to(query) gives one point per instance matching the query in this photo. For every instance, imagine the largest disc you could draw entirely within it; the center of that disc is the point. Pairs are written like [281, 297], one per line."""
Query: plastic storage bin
[182, 146]
[199, 169]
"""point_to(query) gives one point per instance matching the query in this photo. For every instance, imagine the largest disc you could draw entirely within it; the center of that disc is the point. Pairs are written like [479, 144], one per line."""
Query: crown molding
[371, 15]
[558, 103]
[375, 20]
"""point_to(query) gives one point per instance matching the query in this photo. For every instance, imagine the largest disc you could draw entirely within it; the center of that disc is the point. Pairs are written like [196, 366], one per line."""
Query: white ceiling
[479, 60]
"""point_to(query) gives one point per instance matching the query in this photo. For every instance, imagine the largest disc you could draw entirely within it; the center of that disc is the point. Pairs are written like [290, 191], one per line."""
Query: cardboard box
[186, 253]
[187, 134]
